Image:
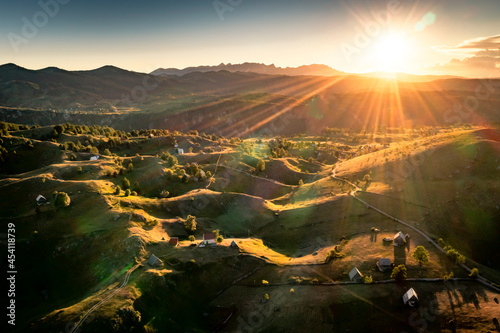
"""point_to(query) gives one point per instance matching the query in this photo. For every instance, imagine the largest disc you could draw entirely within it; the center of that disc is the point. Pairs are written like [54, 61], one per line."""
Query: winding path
[352, 193]
[92, 309]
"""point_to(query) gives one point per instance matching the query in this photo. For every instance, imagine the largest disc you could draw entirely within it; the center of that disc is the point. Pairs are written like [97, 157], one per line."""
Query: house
[94, 158]
[180, 151]
[355, 275]
[154, 261]
[399, 239]
[209, 238]
[410, 298]
[40, 200]
[174, 241]
[234, 245]
[384, 264]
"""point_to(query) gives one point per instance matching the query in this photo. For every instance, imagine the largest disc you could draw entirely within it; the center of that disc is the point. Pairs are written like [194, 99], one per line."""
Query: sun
[391, 52]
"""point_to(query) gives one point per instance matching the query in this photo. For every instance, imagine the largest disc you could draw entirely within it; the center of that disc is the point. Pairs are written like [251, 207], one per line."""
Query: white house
[399, 239]
[355, 275]
[94, 158]
[180, 151]
[209, 238]
[410, 298]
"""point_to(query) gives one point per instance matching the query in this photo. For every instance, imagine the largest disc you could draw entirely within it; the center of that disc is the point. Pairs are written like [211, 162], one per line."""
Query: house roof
[40, 198]
[94, 158]
[399, 235]
[354, 272]
[173, 241]
[233, 244]
[384, 262]
[153, 260]
[409, 295]
[208, 235]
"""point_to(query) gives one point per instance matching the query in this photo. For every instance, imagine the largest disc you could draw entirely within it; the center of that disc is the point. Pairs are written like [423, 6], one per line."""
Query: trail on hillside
[92, 309]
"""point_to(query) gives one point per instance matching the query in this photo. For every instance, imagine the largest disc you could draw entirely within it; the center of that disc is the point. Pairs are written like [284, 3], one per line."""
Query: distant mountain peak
[314, 69]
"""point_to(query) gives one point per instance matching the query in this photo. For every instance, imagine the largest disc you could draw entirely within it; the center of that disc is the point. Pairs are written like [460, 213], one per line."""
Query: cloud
[481, 58]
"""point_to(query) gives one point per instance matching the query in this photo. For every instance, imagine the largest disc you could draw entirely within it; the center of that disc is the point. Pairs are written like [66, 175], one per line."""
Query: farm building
[94, 158]
[410, 298]
[209, 238]
[174, 241]
[355, 275]
[399, 239]
[154, 261]
[384, 264]
[41, 200]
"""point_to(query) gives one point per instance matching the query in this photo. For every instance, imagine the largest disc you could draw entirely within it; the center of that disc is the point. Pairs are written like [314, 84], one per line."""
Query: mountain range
[208, 98]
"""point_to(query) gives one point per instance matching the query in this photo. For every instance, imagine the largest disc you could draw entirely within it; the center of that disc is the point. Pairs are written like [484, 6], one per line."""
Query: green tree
[136, 187]
[127, 192]
[420, 254]
[190, 223]
[62, 200]
[368, 279]
[399, 273]
[220, 239]
[172, 161]
[125, 183]
[130, 167]
[59, 129]
[191, 238]
[118, 190]
[261, 165]
[301, 182]
[107, 152]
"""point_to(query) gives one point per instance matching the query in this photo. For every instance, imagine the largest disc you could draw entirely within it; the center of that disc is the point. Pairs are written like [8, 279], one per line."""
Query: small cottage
[384, 264]
[180, 151]
[209, 238]
[154, 261]
[355, 275]
[410, 298]
[399, 239]
[174, 241]
[41, 200]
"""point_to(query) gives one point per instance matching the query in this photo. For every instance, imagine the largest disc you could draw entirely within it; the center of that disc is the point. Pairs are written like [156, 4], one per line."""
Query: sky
[455, 37]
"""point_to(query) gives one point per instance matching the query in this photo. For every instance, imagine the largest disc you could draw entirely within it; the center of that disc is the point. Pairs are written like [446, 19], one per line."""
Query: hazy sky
[447, 36]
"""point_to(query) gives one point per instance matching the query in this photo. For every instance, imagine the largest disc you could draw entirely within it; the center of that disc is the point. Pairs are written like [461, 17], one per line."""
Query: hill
[291, 223]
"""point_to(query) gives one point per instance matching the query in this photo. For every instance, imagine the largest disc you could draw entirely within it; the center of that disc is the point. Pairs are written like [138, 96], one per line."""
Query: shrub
[399, 273]
[190, 223]
[301, 182]
[125, 183]
[62, 200]
[265, 282]
[474, 273]
[368, 279]
[118, 190]
[127, 192]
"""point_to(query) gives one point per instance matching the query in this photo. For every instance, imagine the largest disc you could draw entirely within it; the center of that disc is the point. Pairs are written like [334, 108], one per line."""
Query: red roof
[173, 241]
[208, 235]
